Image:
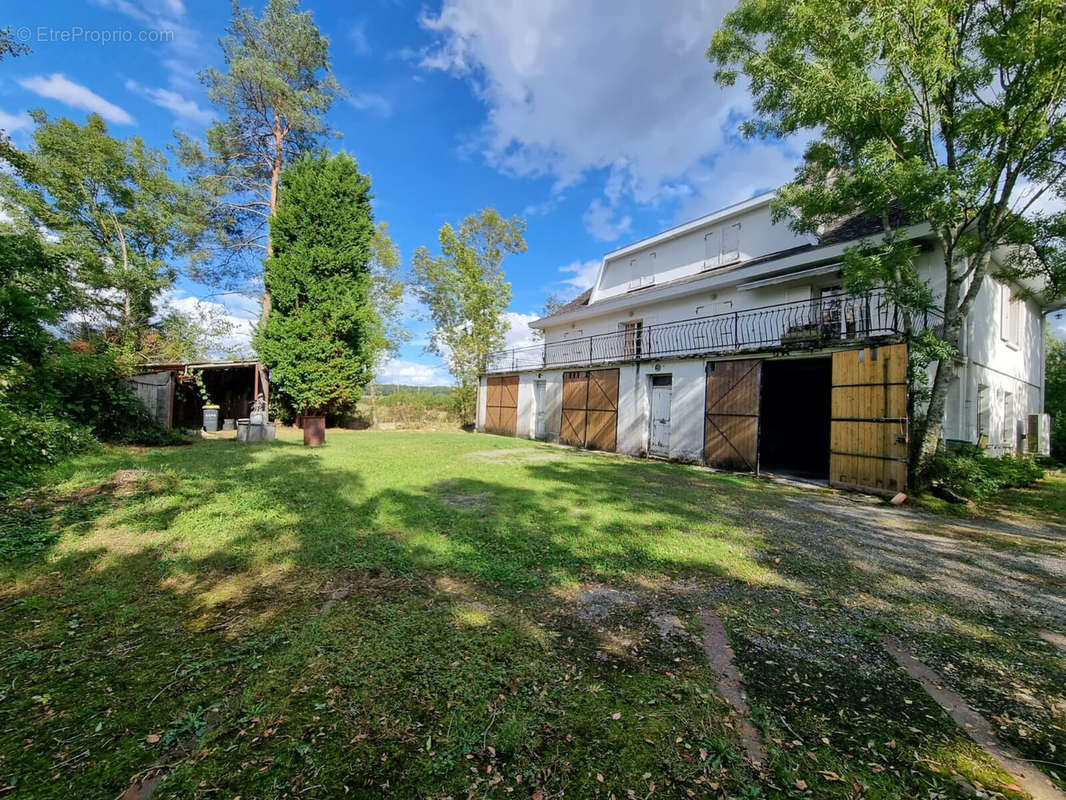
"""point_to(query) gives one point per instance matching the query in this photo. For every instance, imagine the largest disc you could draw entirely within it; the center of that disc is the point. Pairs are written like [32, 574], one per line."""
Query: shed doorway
[795, 417]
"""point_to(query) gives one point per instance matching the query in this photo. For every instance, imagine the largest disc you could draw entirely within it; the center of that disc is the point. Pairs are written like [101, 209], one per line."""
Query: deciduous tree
[119, 221]
[466, 292]
[1055, 394]
[946, 112]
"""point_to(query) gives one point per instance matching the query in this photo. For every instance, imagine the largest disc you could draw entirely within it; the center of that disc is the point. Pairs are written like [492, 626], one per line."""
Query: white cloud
[600, 222]
[619, 87]
[412, 373]
[1057, 324]
[582, 274]
[181, 107]
[519, 333]
[372, 102]
[185, 54]
[9, 123]
[238, 310]
[58, 87]
[748, 169]
[360, 41]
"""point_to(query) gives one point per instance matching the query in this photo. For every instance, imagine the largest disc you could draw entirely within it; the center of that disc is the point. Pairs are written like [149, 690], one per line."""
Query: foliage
[29, 442]
[120, 220]
[969, 473]
[1055, 394]
[275, 93]
[949, 112]
[319, 341]
[531, 588]
[57, 405]
[35, 290]
[186, 334]
[466, 293]
[386, 297]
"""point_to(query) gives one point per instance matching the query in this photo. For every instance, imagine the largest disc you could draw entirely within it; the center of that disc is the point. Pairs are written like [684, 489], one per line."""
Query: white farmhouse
[729, 341]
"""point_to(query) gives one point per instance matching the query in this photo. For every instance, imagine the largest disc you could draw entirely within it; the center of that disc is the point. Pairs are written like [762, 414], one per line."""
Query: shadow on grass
[207, 588]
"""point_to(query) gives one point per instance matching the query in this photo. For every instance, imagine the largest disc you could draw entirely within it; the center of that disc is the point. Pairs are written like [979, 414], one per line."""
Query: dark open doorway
[794, 417]
[229, 386]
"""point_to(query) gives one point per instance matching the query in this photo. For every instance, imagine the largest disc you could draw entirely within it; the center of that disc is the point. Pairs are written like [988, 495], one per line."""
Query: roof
[860, 225]
[157, 366]
[579, 301]
[846, 229]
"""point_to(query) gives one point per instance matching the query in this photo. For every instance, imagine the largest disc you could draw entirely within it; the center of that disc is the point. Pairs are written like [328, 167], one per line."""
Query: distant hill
[385, 389]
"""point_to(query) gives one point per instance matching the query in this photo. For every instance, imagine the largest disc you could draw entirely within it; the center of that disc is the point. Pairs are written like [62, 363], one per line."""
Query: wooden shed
[171, 393]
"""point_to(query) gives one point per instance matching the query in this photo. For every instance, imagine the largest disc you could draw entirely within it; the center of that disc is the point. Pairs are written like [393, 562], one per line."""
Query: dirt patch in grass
[343, 583]
[599, 602]
[518, 455]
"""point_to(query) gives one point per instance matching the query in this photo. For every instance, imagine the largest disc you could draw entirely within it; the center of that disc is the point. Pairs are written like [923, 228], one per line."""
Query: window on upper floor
[1011, 310]
[711, 249]
[731, 243]
[632, 338]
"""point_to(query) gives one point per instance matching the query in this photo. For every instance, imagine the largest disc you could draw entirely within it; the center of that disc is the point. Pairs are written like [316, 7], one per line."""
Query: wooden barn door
[590, 409]
[868, 434]
[602, 410]
[501, 405]
[575, 405]
[731, 428]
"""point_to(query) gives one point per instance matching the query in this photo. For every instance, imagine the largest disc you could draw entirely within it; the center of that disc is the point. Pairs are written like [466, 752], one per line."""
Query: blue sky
[598, 122]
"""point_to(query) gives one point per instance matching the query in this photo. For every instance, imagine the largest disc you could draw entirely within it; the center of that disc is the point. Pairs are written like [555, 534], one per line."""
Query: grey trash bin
[210, 418]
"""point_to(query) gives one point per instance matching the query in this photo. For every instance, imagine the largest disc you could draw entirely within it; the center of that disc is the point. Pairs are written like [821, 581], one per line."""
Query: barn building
[730, 341]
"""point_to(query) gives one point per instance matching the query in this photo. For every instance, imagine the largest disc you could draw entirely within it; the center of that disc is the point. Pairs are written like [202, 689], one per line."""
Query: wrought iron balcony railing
[828, 322]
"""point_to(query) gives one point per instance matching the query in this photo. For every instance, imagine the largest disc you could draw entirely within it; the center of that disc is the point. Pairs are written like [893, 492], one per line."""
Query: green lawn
[408, 615]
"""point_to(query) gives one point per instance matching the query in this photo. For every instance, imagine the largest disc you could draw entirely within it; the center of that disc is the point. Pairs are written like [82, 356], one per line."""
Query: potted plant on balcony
[319, 335]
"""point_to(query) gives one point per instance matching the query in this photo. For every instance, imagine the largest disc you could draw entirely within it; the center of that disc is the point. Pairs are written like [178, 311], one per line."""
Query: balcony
[830, 322]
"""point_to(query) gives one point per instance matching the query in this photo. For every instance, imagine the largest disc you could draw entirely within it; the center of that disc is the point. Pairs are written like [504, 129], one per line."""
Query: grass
[406, 615]
[1043, 503]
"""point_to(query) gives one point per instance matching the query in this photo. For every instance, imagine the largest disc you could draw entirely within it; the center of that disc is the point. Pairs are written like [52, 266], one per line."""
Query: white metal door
[660, 416]
[539, 430]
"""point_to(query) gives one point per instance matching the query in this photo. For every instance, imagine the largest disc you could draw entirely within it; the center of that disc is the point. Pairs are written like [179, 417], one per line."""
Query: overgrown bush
[62, 404]
[29, 442]
[967, 472]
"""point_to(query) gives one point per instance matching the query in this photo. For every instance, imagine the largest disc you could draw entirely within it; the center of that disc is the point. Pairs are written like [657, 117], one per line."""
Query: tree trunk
[929, 432]
[956, 310]
[275, 179]
[373, 407]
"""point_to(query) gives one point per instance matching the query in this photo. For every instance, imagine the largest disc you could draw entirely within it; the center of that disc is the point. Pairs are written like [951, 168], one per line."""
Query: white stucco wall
[526, 414]
[482, 400]
[987, 357]
[707, 244]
